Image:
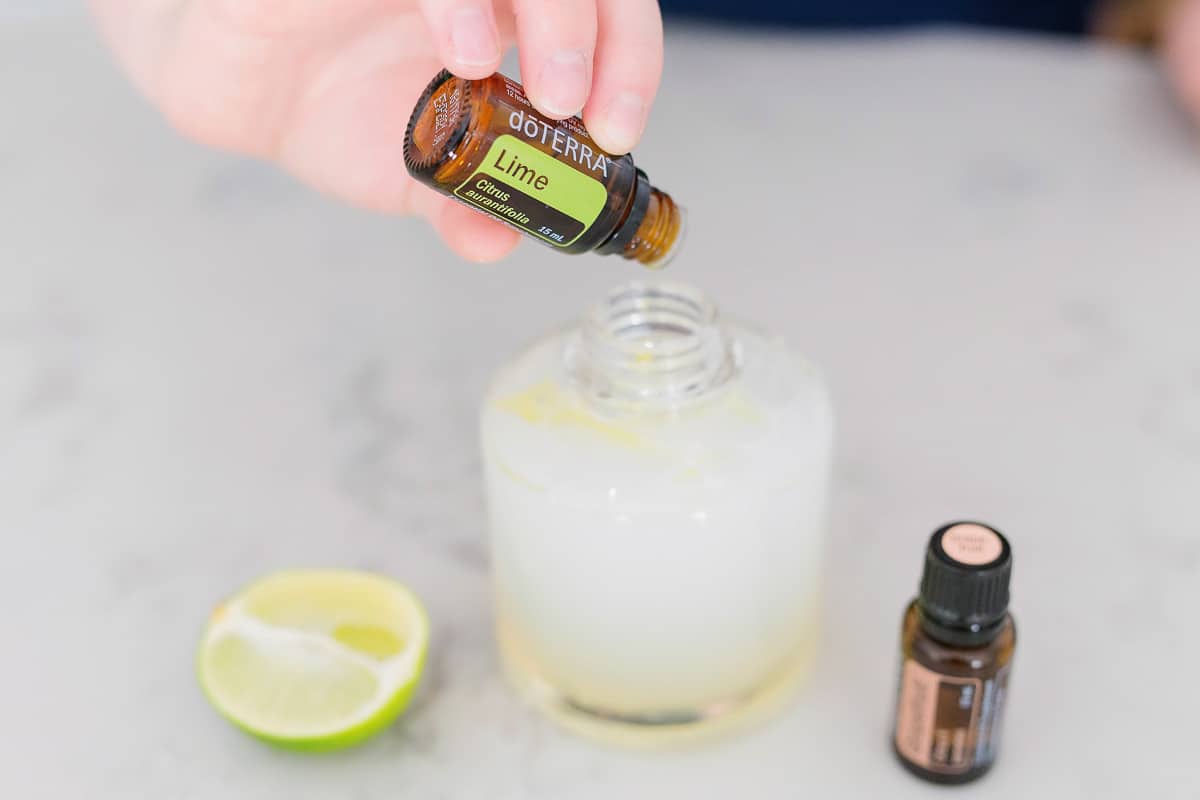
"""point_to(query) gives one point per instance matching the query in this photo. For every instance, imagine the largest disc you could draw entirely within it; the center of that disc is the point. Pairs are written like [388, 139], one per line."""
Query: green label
[523, 186]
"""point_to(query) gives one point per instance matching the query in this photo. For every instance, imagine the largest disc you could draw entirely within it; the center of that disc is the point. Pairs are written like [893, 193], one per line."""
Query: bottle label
[946, 723]
[534, 191]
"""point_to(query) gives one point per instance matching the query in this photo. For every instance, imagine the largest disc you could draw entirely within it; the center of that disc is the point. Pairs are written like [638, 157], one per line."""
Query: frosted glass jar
[656, 484]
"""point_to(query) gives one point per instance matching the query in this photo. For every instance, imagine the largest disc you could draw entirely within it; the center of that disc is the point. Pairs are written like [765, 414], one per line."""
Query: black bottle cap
[965, 583]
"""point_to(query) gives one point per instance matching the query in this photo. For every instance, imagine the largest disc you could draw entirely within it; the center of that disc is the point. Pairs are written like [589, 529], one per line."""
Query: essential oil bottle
[483, 143]
[957, 642]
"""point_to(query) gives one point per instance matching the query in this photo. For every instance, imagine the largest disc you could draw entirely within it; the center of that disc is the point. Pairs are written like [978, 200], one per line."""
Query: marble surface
[35, 9]
[207, 372]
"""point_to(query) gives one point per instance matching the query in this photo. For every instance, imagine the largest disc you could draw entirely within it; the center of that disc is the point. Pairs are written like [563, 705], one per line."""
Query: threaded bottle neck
[660, 233]
[652, 231]
[656, 343]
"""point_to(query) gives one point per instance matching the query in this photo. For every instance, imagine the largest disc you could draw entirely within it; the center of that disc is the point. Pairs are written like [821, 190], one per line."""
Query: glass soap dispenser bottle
[656, 485]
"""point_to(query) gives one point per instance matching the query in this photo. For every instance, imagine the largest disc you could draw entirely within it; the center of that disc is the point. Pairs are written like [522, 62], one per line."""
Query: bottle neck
[655, 344]
[652, 231]
[975, 635]
[658, 238]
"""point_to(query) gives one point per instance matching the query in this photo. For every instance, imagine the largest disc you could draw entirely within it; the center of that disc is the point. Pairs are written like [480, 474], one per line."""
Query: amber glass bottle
[483, 143]
[957, 642]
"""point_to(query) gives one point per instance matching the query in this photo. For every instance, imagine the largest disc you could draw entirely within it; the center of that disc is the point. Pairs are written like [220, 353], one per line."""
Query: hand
[325, 87]
[1181, 50]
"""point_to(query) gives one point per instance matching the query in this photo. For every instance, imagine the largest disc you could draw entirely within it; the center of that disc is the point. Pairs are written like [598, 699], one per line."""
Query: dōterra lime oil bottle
[482, 143]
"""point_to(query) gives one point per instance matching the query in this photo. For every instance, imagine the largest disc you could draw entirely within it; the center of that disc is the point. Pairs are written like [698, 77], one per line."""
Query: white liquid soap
[656, 484]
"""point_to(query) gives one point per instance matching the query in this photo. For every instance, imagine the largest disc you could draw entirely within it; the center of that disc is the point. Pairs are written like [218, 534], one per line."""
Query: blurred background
[988, 239]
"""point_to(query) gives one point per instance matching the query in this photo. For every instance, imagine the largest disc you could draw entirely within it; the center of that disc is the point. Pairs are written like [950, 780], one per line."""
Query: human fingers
[467, 232]
[1181, 51]
[627, 70]
[465, 35]
[556, 40]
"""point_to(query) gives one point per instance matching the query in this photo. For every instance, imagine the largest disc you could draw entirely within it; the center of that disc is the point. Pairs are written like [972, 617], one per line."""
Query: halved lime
[315, 659]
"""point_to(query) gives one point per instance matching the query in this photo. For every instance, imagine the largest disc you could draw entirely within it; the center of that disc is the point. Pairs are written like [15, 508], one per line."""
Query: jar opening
[652, 341]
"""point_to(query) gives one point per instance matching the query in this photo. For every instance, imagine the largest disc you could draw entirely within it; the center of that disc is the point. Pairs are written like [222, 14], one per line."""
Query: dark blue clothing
[1059, 16]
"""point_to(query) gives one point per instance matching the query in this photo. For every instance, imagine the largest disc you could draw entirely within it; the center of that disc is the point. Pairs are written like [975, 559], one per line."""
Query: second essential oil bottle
[483, 143]
[957, 644]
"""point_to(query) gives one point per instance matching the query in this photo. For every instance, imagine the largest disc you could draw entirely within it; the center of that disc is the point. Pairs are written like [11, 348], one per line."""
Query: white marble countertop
[208, 372]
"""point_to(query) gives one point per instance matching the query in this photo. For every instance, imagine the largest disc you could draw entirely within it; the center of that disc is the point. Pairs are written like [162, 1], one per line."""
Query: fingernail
[473, 38]
[624, 120]
[563, 83]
